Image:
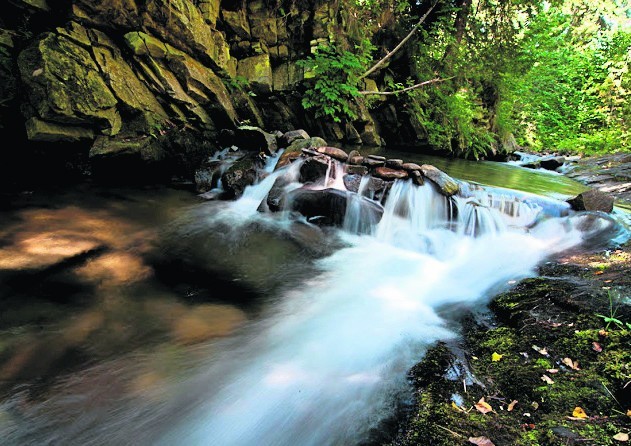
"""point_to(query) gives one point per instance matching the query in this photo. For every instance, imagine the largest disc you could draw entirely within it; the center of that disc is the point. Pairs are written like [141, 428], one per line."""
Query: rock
[298, 147]
[64, 86]
[328, 206]
[352, 154]
[411, 167]
[333, 152]
[145, 147]
[356, 160]
[552, 163]
[241, 174]
[447, 185]
[313, 169]
[293, 135]
[38, 130]
[276, 196]
[237, 22]
[372, 162]
[417, 177]
[356, 170]
[390, 174]
[394, 164]
[258, 71]
[207, 175]
[255, 139]
[351, 135]
[352, 181]
[592, 200]
[377, 157]
[310, 152]
[286, 76]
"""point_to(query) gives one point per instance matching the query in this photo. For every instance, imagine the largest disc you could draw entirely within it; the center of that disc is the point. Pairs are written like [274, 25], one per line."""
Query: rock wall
[126, 77]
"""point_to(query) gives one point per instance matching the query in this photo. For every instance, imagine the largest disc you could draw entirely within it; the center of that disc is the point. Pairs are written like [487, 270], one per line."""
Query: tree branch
[413, 87]
[376, 66]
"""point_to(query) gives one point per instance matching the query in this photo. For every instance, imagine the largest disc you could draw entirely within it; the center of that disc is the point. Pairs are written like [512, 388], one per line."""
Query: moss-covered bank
[545, 349]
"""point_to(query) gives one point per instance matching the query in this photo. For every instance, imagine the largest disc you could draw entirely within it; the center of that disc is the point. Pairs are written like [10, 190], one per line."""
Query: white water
[325, 365]
[329, 361]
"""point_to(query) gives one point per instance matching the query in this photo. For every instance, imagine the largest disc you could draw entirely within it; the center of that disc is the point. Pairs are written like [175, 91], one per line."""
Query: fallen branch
[376, 66]
[413, 87]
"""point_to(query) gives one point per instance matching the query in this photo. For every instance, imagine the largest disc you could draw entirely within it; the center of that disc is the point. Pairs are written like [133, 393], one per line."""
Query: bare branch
[413, 87]
[376, 66]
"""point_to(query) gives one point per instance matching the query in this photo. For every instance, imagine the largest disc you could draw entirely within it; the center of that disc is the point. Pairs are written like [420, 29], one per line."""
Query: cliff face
[132, 77]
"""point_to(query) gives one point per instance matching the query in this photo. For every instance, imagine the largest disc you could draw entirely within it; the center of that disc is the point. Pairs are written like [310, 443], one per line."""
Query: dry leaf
[629, 413]
[496, 357]
[571, 364]
[552, 371]
[603, 332]
[535, 405]
[598, 273]
[621, 436]
[596, 346]
[579, 413]
[483, 407]
[511, 406]
[458, 408]
[547, 379]
[481, 441]
[541, 351]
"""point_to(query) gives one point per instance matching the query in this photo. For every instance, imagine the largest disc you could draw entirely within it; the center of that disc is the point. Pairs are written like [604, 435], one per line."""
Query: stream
[144, 316]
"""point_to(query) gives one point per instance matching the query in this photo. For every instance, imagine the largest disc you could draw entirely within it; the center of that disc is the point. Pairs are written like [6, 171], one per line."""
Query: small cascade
[334, 177]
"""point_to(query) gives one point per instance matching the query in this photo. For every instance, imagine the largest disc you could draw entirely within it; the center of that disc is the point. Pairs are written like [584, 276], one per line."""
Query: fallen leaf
[629, 413]
[603, 332]
[552, 371]
[511, 406]
[535, 405]
[541, 351]
[481, 441]
[597, 347]
[495, 357]
[621, 436]
[598, 273]
[571, 364]
[474, 357]
[579, 413]
[483, 407]
[547, 379]
[458, 408]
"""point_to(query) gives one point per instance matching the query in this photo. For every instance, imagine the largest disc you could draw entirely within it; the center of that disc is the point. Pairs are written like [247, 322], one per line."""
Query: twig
[413, 87]
[398, 47]
[456, 434]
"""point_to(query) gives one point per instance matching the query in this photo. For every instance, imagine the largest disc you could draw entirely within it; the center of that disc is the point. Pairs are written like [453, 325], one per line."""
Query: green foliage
[335, 73]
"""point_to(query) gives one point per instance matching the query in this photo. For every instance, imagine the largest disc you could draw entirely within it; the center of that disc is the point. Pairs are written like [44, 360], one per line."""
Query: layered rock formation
[123, 76]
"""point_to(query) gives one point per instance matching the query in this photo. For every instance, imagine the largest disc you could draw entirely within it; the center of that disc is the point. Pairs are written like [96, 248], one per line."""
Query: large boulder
[64, 86]
[291, 136]
[240, 175]
[329, 206]
[258, 71]
[592, 200]
[552, 163]
[295, 149]
[314, 168]
[446, 185]
[255, 139]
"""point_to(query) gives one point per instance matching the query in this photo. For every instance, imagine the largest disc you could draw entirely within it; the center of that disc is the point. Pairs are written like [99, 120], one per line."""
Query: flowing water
[241, 327]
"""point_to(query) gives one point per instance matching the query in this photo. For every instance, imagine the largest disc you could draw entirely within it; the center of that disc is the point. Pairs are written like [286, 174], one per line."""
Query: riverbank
[549, 364]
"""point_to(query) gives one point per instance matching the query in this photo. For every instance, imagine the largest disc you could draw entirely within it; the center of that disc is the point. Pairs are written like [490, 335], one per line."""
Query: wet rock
[356, 170]
[390, 174]
[411, 167]
[592, 200]
[255, 139]
[356, 160]
[371, 162]
[447, 185]
[394, 163]
[207, 175]
[291, 136]
[328, 206]
[552, 163]
[314, 169]
[353, 154]
[296, 148]
[276, 196]
[352, 181]
[310, 152]
[377, 157]
[417, 177]
[241, 174]
[334, 152]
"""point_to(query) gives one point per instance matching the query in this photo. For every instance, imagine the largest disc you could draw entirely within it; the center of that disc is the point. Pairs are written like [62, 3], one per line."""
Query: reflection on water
[77, 287]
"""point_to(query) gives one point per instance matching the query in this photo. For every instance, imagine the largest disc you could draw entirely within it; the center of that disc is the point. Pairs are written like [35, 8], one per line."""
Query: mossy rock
[258, 71]
[65, 85]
